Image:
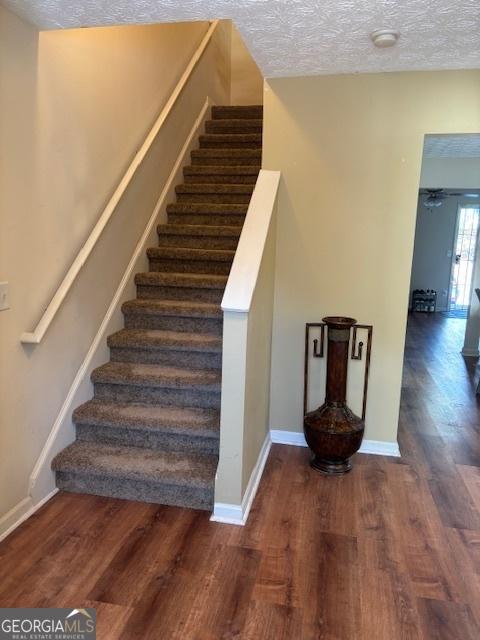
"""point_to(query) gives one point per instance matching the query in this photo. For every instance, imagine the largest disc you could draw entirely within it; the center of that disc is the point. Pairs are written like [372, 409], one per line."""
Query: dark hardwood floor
[388, 552]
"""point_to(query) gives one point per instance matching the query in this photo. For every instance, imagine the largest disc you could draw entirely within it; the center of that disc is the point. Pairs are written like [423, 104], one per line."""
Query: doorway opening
[464, 252]
[440, 406]
[445, 272]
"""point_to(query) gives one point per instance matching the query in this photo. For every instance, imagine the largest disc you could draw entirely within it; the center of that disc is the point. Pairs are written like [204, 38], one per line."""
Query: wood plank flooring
[388, 552]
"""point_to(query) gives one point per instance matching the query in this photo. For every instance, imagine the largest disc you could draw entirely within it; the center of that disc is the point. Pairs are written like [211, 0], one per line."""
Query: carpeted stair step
[222, 112]
[234, 125]
[173, 315]
[205, 213]
[210, 174]
[221, 179]
[197, 350]
[161, 384]
[214, 193]
[151, 431]
[226, 157]
[188, 260]
[153, 426]
[198, 236]
[136, 473]
[181, 286]
[231, 141]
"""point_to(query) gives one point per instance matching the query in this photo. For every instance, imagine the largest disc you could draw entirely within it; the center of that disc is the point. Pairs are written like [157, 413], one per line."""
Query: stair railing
[35, 336]
[246, 265]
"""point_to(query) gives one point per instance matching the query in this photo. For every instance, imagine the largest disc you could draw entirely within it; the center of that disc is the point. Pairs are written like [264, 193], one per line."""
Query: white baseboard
[295, 438]
[15, 516]
[21, 512]
[380, 448]
[238, 513]
[228, 513]
[42, 479]
[375, 447]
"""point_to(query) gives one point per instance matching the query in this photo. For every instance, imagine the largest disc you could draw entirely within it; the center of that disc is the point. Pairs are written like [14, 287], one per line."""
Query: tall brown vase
[333, 432]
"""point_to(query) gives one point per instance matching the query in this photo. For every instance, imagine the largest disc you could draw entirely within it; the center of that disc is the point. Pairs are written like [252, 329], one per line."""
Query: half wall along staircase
[151, 432]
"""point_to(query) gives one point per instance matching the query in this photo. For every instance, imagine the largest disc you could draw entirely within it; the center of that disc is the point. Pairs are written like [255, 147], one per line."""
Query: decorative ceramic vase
[333, 432]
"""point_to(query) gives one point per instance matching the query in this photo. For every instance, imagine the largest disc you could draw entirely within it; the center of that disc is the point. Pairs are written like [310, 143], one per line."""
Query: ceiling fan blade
[441, 193]
[463, 195]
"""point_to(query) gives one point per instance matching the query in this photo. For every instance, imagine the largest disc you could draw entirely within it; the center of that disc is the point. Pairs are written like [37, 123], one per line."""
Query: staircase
[151, 431]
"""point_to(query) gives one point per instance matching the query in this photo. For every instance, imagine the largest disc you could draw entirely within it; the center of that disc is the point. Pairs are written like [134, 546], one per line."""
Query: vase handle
[317, 353]
[357, 353]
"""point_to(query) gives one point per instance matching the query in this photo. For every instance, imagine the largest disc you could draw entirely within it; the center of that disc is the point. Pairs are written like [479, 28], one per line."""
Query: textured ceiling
[302, 37]
[452, 146]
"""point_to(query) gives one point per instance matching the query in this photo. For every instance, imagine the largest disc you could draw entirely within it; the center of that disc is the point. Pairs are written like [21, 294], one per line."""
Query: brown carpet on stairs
[151, 431]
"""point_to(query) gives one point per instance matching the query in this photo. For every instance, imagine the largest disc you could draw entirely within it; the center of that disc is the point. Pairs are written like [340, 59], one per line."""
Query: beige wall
[74, 107]
[228, 483]
[259, 344]
[350, 149]
[247, 80]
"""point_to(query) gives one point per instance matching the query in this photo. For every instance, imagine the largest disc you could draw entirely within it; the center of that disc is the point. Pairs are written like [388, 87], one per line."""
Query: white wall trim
[15, 516]
[381, 448]
[42, 478]
[228, 513]
[238, 513]
[375, 447]
[294, 438]
[21, 512]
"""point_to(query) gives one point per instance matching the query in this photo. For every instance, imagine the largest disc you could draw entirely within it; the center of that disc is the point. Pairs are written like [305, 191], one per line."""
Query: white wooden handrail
[35, 337]
[248, 256]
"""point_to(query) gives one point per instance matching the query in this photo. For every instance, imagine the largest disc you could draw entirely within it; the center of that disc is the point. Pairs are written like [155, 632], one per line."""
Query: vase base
[331, 468]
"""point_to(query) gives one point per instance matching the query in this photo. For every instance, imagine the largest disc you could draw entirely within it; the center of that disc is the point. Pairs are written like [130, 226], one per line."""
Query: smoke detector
[384, 38]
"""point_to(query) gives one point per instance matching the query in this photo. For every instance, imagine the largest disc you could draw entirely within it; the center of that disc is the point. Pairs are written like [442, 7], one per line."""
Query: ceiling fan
[435, 197]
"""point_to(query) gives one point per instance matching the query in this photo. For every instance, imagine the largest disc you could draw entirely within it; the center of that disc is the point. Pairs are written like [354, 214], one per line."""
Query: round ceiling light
[384, 38]
[433, 201]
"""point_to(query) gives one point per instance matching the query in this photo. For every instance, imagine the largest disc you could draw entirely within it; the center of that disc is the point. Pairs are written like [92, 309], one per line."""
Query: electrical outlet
[4, 304]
